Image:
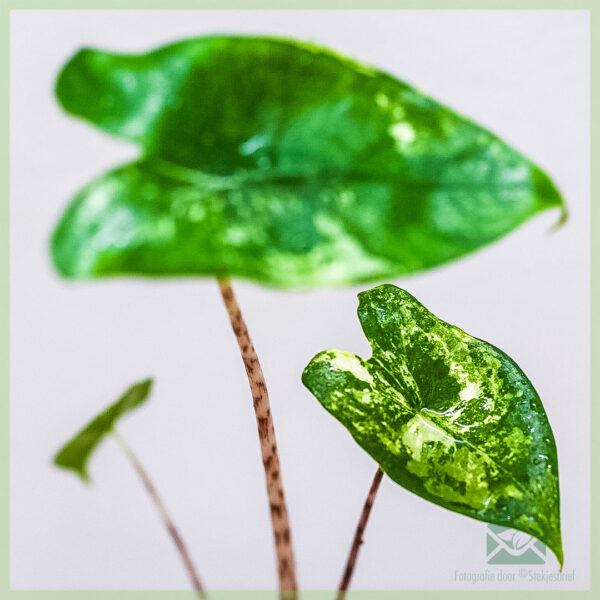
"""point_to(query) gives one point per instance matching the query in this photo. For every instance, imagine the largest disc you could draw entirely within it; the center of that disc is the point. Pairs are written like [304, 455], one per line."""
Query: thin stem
[166, 518]
[268, 445]
[358, 536]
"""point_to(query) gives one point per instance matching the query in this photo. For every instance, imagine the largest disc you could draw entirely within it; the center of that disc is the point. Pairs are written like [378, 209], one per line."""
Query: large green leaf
[75, 454]
[284, 163]
[446, 415]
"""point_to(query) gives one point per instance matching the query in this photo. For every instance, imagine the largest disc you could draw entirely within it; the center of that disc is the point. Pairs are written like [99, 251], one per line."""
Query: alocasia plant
[284, 163]
[75, 455]
[445, 415]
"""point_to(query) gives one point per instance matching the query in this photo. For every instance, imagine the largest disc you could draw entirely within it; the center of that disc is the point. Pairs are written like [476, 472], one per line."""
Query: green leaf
[284, 163]
[75, 454]
[446, 415]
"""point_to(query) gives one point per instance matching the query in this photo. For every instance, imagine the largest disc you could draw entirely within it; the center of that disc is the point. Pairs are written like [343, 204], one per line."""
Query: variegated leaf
[446, 415]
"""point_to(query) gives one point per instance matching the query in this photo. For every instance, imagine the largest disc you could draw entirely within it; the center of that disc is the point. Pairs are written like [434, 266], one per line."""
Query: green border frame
[9, 5]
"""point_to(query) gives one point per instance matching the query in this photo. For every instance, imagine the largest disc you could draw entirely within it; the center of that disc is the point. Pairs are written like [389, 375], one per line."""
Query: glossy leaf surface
[284, 163]
[446, 415]
[75, 454]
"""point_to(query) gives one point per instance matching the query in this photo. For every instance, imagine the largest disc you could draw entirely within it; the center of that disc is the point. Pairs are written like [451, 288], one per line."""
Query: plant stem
[268, 445]
[168, 522]
[358, 536]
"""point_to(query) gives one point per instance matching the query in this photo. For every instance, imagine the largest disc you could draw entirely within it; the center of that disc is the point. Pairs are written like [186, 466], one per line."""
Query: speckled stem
[358, 536]
[164, 515]
[268, 445]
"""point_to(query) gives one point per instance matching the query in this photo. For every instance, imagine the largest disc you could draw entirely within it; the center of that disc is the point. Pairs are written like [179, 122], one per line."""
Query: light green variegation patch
[284, 163]
[446, 415]
[344, 361]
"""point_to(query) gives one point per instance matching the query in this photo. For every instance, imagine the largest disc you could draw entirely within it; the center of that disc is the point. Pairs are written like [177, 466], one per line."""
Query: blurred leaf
[446, 415]
[74, 455]
[284, 163]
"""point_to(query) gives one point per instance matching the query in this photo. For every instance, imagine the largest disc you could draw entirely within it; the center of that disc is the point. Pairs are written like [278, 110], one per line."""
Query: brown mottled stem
[268, 445]
[164, 515]
[358, 536]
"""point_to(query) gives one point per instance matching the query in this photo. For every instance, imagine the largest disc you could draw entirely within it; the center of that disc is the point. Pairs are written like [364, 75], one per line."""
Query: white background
[76, 346]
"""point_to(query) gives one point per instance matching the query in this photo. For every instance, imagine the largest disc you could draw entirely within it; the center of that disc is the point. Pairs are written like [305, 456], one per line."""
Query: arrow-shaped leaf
[446, 415]
[74, 455]
[284, 163]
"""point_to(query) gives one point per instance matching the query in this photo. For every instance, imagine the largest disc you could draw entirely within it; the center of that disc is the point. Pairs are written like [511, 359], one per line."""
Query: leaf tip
[553, 541]
[142, 388]
[558, 552]
[548, 196]
[147, 383]
[562, 219]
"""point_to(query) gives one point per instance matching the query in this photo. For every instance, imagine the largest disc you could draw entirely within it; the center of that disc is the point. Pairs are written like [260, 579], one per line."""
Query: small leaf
[284, 163]
[446, 415]
[74, 455]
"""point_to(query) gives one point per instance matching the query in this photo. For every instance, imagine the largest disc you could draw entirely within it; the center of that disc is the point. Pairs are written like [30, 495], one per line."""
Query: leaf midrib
[430, 420]
[238, 180]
